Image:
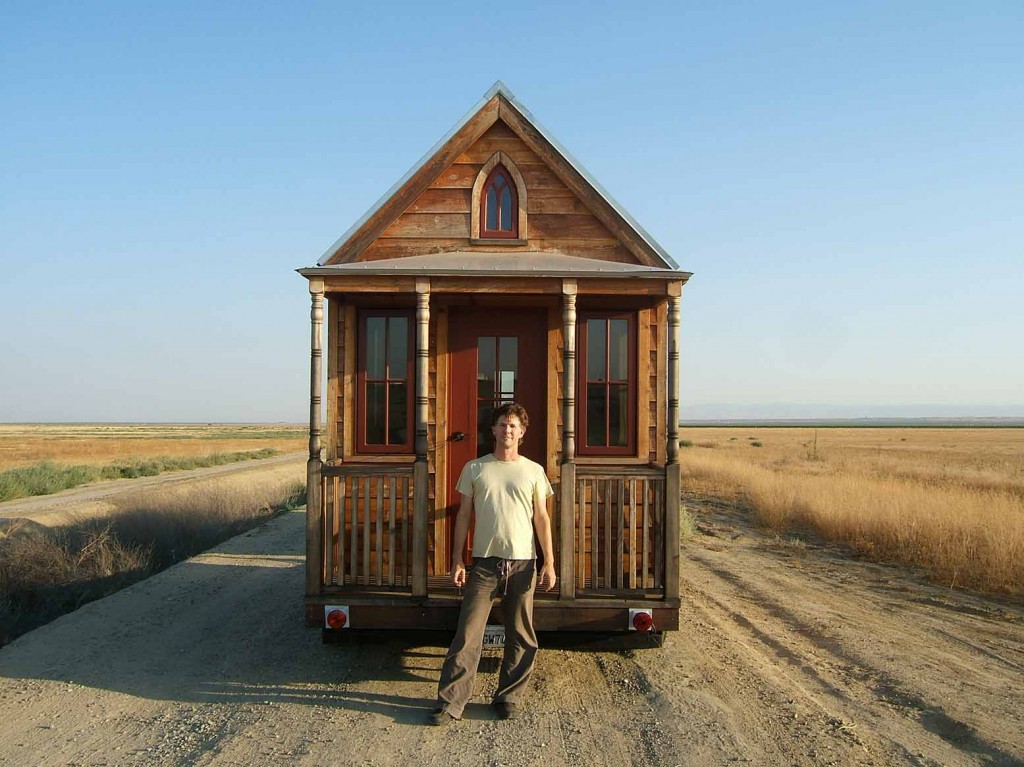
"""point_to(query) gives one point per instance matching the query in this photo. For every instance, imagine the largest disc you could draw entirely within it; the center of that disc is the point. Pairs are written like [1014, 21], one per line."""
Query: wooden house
[495, 270]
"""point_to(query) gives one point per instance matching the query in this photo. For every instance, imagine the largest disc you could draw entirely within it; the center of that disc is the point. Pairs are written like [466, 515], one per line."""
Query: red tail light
[642, 621]
[336, 619]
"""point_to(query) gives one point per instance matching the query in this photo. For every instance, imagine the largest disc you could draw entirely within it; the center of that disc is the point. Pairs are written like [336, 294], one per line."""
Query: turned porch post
[672, 468]
[567, 494]
[314, 510]
[420, 476]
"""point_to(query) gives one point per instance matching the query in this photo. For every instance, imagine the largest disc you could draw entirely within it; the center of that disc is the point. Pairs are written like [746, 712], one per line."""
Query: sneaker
[439, 717]
[506, 710]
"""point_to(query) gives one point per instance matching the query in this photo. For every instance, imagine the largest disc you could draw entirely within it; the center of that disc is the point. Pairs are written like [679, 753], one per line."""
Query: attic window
[499, 206]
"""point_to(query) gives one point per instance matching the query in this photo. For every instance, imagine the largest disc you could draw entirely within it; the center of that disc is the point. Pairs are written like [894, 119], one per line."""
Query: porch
[614, 550]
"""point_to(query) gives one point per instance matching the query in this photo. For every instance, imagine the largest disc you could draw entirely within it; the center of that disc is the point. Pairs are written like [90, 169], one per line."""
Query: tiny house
[495, 270]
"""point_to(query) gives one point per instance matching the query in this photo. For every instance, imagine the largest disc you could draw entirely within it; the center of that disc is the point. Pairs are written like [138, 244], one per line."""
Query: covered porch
[378, 524]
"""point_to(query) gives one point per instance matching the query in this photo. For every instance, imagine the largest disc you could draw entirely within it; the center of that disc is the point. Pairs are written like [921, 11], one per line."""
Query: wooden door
[496, 356]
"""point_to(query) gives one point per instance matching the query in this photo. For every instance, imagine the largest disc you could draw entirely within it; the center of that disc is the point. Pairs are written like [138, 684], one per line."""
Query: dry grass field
[98, 444]
[950, 501]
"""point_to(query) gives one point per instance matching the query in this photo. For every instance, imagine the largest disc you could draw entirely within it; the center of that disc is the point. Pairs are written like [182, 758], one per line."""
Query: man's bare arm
[461, 533]
[542, 526]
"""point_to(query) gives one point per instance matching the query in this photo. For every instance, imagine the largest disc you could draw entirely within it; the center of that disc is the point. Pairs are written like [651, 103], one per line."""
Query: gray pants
[482, 585]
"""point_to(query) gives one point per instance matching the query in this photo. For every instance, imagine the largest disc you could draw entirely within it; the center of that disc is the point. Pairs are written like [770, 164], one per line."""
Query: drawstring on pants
[505, 572]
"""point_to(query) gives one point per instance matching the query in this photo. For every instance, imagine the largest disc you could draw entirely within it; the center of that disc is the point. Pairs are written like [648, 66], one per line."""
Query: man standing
[506, 493]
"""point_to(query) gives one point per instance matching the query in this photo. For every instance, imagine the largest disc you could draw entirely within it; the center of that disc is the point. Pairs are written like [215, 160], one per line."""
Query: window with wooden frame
[499, 206]
[384, 382]
[607, 383]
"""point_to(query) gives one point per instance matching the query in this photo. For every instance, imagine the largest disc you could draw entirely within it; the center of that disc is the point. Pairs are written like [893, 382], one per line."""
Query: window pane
[398, 421]
[508, 367]
[484, 441]
[596, 350]
[485, 366]
[398, 347]
[618, 360]
[506, 209]
[597, 410]
[492, 210]
[375, 348]
[618, 414]
[375, 394]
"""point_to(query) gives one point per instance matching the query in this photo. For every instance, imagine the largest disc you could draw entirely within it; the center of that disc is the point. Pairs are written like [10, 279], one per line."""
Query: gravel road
[789, 653]
[98, 498]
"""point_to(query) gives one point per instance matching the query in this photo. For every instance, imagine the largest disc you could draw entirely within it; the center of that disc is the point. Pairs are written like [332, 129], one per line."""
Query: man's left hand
[547, 576]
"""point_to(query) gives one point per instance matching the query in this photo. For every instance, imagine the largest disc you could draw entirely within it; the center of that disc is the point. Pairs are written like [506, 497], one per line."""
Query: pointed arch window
[499, 206]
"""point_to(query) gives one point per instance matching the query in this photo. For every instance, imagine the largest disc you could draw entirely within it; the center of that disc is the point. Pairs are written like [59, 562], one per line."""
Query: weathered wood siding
[439, 219]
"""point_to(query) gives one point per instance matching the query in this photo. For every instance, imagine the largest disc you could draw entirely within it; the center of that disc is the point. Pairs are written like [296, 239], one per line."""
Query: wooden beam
[673, 381]
[566, 527]
[569, 368]
[314, 510]
[422, 365]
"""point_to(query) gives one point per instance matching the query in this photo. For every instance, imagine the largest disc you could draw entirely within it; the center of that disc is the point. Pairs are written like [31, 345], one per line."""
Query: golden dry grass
[948, 500]
[47, 572]
[99, 444]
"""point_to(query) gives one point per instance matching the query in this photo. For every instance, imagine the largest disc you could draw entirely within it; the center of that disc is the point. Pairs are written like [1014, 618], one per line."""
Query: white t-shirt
[503, 494]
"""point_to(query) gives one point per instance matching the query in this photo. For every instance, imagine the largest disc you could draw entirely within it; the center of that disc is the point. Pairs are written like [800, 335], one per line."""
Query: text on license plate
[494, 636]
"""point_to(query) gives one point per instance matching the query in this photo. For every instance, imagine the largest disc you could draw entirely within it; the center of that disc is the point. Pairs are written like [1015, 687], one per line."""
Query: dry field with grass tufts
[96, 444]
[950, 501]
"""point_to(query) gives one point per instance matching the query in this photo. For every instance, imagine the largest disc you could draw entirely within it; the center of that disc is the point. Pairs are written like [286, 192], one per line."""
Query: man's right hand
[459, 574]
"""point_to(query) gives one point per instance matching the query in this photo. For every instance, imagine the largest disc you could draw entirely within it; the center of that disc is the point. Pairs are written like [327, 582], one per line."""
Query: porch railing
[368, 526]
[619, 534]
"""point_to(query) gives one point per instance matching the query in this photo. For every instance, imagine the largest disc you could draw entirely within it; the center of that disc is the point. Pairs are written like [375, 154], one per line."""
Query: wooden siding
[439, 218]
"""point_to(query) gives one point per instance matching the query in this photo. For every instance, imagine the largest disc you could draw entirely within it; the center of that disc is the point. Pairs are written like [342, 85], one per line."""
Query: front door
[496, 356]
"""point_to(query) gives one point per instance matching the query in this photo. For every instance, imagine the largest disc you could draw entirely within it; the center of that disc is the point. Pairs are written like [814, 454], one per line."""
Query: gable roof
[497, 104]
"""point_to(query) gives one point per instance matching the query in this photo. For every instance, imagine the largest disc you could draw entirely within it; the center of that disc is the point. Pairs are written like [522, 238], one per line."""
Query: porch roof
[496, 264]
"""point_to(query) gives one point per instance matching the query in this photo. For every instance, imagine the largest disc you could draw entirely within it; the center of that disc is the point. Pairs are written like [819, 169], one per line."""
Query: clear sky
[845, 180]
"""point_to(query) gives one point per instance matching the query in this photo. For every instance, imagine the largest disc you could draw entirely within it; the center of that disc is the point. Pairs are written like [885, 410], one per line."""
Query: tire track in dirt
[799, 621]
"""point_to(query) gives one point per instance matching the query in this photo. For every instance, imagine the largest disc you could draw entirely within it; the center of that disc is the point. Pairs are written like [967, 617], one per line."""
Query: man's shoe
[506, 710]
[439, 717]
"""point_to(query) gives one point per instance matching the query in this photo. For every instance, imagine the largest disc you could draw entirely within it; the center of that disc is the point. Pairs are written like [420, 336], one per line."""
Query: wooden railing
[368, 526]
[619, 535]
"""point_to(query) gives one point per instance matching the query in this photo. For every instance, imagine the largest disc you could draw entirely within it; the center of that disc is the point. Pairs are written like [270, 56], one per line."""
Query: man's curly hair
[510, 409]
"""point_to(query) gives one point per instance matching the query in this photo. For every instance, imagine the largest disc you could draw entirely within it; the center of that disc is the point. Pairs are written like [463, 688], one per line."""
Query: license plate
[494, 636]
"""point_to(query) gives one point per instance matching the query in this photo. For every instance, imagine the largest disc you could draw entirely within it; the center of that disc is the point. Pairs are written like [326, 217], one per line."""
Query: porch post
[673, 377]
[314, 511]
[672, 468]
[567, 495]
[420, 469]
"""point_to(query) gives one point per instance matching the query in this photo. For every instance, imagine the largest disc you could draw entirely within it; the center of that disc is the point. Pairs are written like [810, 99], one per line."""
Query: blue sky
[845, 181]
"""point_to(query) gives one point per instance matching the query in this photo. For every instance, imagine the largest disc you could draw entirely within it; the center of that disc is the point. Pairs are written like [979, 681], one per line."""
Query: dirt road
[99, 498]
[788, 654]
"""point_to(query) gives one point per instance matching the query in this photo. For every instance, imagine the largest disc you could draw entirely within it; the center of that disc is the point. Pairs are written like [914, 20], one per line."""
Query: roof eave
[331, 271]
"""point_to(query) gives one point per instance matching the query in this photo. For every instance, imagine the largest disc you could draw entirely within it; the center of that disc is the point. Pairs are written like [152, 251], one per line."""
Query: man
[506, 493]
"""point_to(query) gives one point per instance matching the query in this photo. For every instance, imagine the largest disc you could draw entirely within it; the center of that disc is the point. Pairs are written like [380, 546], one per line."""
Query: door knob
[457, 437]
